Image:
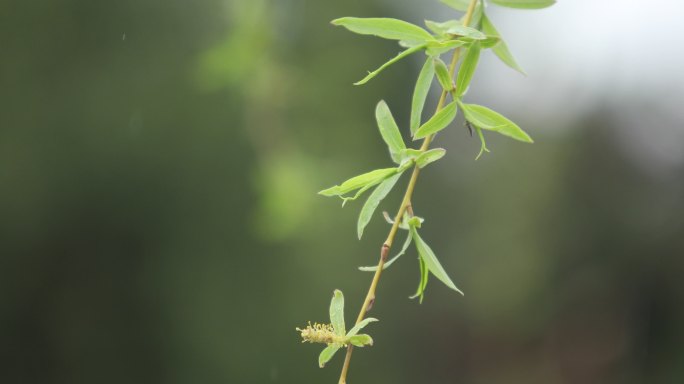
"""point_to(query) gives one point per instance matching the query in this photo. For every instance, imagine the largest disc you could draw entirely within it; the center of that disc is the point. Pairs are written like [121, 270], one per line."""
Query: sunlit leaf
[389, 130]
[443, 74]
[327, 354]
[390, 62]
[360, 326]
[500, 49]
[431, 261]
[361, 340]
[441, 29]
[385, 28]
[485, 118]
[436, 48]
[337, 313]
[364, 181]
[373, 201]
[467, 69]
[392, 260]
[437, 122]
[524, 4]
[430, 156]
[461, 30]
[420, 93]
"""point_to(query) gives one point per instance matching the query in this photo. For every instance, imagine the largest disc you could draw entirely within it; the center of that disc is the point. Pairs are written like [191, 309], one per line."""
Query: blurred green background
[159, 223]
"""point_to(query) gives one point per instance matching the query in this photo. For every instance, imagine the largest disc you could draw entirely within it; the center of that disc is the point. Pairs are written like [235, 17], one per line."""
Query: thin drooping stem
[405, 204]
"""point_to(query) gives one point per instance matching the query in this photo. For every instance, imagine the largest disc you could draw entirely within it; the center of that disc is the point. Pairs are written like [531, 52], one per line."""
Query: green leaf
[337, 313]
[441, 29]
[483, 143]
[430, 156]
[525, 4]
[360, 326]
[420, 93]
[398, 57]
[459, 5]
[500, 49]
[437, 122]
[443, 74]
[327, 354]
[489, 42]
[424, 275]
[361, 340]
[485, 118]
[364, 181]
[385, 28]
[389, 130]
[436, 48]
[461, 30]
[392, 260]
[467, 69]
[373, 201]
[431, 261]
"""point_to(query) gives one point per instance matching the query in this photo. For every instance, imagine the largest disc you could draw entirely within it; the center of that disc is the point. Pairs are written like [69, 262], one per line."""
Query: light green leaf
[420, 93]
[360, 326]
[430, 156]
[373, 201]
[485, 118]
[424, 275]
[389, 130]
[483, 143]
[489, 42]
[327, 354]
[337, 313]
[467, 69]
[437, 122]
[441, 29]
[436, 48]
[459, 5]
[524, 4]
[392, 61]
[461, 30]
[364, 181]
[443, 74]
[361, 340]
[501, 49]
[392, 260]
[385, 28]
[431, 261]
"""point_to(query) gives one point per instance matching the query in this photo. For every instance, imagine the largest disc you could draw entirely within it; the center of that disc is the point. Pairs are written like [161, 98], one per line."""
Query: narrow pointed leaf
[501, 49]
[385, 28]
[485, 118]
[327, 354]
[373, 201]
[361, 340]
[525, 4]
[398, 57]
[441, 29]
[443, 74]
[360, 326]
[389, 130]
[430, 156]
[420, 93]
[365, 180]
[431, 261]
[337, 313]
[459, 5]
[462, 30]
[436, 48]
[467, 69]
[438, 122]
[392, 260]
[422, 284]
